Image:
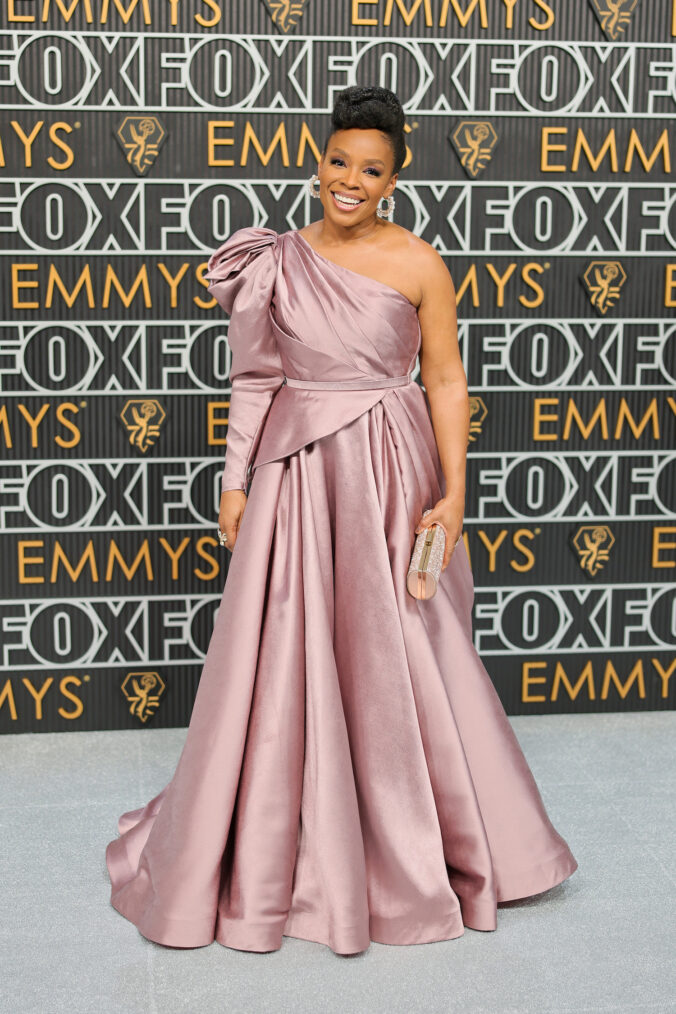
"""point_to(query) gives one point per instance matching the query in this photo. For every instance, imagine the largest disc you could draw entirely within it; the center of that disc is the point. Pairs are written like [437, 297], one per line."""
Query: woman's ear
[391, 185]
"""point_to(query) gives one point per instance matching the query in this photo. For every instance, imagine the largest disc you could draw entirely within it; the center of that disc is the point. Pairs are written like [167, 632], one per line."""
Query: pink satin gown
[349, 773]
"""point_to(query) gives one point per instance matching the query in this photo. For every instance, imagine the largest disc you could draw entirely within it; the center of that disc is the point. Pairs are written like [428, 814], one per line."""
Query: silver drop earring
[311, 185]
[386, 212]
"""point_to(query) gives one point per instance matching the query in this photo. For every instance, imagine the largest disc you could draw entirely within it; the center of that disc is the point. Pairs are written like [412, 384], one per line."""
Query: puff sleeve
[241, 275]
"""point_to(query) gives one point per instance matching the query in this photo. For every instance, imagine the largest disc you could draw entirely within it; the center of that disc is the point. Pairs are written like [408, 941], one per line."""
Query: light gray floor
[601, 941]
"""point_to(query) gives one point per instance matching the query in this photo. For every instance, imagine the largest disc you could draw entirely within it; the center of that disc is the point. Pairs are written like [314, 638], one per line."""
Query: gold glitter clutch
[428, 556]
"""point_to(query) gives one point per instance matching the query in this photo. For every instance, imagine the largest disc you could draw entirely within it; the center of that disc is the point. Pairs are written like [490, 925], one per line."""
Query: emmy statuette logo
[592, 544]
[474, 142]
[614, 15]
[285, 14]
[477, 414]
[141, 138]
[142, 418]
[143, 691]
[603, 280]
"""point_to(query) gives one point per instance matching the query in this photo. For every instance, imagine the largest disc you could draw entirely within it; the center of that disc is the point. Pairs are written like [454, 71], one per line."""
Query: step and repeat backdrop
[137, 135]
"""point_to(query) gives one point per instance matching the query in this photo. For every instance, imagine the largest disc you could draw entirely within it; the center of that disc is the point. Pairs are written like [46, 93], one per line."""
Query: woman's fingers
[230, 517]
[450, 543]
[230, 526]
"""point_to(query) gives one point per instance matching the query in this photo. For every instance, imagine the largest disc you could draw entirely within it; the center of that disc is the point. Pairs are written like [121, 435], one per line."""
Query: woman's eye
[374, 171]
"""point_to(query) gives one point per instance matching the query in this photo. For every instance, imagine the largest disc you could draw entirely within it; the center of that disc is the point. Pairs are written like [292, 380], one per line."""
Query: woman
[349, 773]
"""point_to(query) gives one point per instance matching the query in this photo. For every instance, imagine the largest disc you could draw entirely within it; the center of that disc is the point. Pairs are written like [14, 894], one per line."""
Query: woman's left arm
[443, 377]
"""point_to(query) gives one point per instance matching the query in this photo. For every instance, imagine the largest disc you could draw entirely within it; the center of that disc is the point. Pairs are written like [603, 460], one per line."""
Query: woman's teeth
[346, 202]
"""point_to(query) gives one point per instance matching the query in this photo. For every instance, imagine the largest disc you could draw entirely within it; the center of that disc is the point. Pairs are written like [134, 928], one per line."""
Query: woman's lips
[345, 207]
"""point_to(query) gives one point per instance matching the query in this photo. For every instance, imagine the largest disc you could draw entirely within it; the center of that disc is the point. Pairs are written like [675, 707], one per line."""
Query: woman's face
[358, 165]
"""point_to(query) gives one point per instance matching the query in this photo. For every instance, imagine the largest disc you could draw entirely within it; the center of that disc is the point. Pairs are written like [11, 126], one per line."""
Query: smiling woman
[359, 168]
[344, 198]
[349, 773]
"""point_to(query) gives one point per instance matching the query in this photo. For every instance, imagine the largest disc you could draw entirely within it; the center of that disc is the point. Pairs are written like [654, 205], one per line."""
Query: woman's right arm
[242, 277]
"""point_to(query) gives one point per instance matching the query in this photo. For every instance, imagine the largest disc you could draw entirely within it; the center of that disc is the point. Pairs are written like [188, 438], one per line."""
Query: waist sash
[365, 384]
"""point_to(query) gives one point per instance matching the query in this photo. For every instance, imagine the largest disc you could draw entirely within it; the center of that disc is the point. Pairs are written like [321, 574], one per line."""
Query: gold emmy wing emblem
[142, 419]
[477, 414]
[474, 142]
[614, 15]
[286, 14]
[143, 691]
[604, 279]
[141, 138]
[593, 544]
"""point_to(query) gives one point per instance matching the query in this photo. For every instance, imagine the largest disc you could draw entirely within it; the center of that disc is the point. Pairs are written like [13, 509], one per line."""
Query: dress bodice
[295, 314]
[333, 323]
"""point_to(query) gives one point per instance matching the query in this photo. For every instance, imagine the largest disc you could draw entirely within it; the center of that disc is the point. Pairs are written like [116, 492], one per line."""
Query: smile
[345, 202]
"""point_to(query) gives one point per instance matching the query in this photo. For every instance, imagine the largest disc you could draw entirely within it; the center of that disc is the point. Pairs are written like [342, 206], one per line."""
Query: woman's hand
[233, 502]
[449, 512]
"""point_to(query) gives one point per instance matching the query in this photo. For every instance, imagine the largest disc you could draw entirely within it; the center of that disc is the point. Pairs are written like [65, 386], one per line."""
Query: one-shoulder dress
[349, 773]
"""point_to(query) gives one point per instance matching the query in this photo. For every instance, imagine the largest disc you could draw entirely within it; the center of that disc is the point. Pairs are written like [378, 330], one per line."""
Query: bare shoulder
[424, 263]
[433, 268]
[394, 256]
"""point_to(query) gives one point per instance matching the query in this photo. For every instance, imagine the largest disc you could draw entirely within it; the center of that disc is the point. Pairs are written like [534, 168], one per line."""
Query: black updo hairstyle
[370, 108]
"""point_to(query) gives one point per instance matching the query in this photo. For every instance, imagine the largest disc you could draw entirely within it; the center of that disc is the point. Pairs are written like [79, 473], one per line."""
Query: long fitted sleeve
[241, 276]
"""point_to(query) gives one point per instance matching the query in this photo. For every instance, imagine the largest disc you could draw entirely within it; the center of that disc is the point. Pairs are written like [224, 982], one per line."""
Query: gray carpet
[601, 941]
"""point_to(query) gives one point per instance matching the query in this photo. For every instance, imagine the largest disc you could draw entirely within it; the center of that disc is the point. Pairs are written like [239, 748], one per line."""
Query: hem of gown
[149, 921]
[263, 937]
[185, 933]
[536, 879]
